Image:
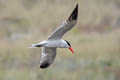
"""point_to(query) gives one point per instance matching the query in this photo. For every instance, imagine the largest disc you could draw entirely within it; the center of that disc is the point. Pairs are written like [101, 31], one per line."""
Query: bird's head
[70, 48]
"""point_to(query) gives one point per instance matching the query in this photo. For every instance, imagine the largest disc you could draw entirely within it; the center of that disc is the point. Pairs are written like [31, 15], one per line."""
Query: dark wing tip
[74, 14]
[44, 65]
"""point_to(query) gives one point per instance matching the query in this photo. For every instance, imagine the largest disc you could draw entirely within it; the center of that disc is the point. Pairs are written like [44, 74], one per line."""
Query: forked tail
[35, 46]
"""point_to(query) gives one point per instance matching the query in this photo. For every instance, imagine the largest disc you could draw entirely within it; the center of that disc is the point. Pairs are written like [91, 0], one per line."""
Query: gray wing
[48, 56]
[66, 26]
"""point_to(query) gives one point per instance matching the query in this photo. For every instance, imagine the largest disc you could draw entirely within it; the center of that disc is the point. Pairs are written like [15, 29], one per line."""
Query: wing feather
[47, 57]
[66, 25]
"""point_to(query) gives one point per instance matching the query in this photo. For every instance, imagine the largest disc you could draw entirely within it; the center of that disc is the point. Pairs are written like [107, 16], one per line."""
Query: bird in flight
[55, 40]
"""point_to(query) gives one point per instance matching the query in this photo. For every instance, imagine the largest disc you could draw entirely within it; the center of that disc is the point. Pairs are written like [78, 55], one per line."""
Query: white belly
[56, 43]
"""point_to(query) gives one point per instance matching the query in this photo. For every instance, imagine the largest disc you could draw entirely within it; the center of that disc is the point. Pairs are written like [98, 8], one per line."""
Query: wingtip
[44, 65]
[74, 14]
[76, 6]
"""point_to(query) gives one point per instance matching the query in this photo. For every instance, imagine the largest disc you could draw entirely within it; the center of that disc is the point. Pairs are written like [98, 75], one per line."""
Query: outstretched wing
[66, 26]
[48, 56]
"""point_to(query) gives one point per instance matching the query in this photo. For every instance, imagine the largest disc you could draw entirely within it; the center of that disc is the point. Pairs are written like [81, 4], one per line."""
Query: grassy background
[95, 39]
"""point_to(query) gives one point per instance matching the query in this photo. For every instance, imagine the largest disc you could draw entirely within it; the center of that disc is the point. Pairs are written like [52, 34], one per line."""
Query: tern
[55, 40]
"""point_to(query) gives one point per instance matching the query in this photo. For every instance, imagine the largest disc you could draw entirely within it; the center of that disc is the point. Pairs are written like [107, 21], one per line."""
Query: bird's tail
[35, 45]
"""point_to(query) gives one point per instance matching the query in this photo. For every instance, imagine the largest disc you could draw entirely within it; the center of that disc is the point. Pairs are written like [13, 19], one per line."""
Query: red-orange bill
[71, 50]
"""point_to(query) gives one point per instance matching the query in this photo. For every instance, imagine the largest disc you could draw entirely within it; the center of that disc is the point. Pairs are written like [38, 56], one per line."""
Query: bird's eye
[68, 43]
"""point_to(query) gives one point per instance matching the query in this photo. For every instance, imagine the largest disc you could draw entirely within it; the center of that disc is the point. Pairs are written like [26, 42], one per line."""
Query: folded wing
[48, 56]
[66, 26]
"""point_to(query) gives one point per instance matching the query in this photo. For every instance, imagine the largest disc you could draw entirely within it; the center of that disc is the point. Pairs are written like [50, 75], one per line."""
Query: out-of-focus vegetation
[95, 39]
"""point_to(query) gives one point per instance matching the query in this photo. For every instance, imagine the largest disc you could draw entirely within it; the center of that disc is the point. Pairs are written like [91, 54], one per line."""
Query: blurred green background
[95, 39]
